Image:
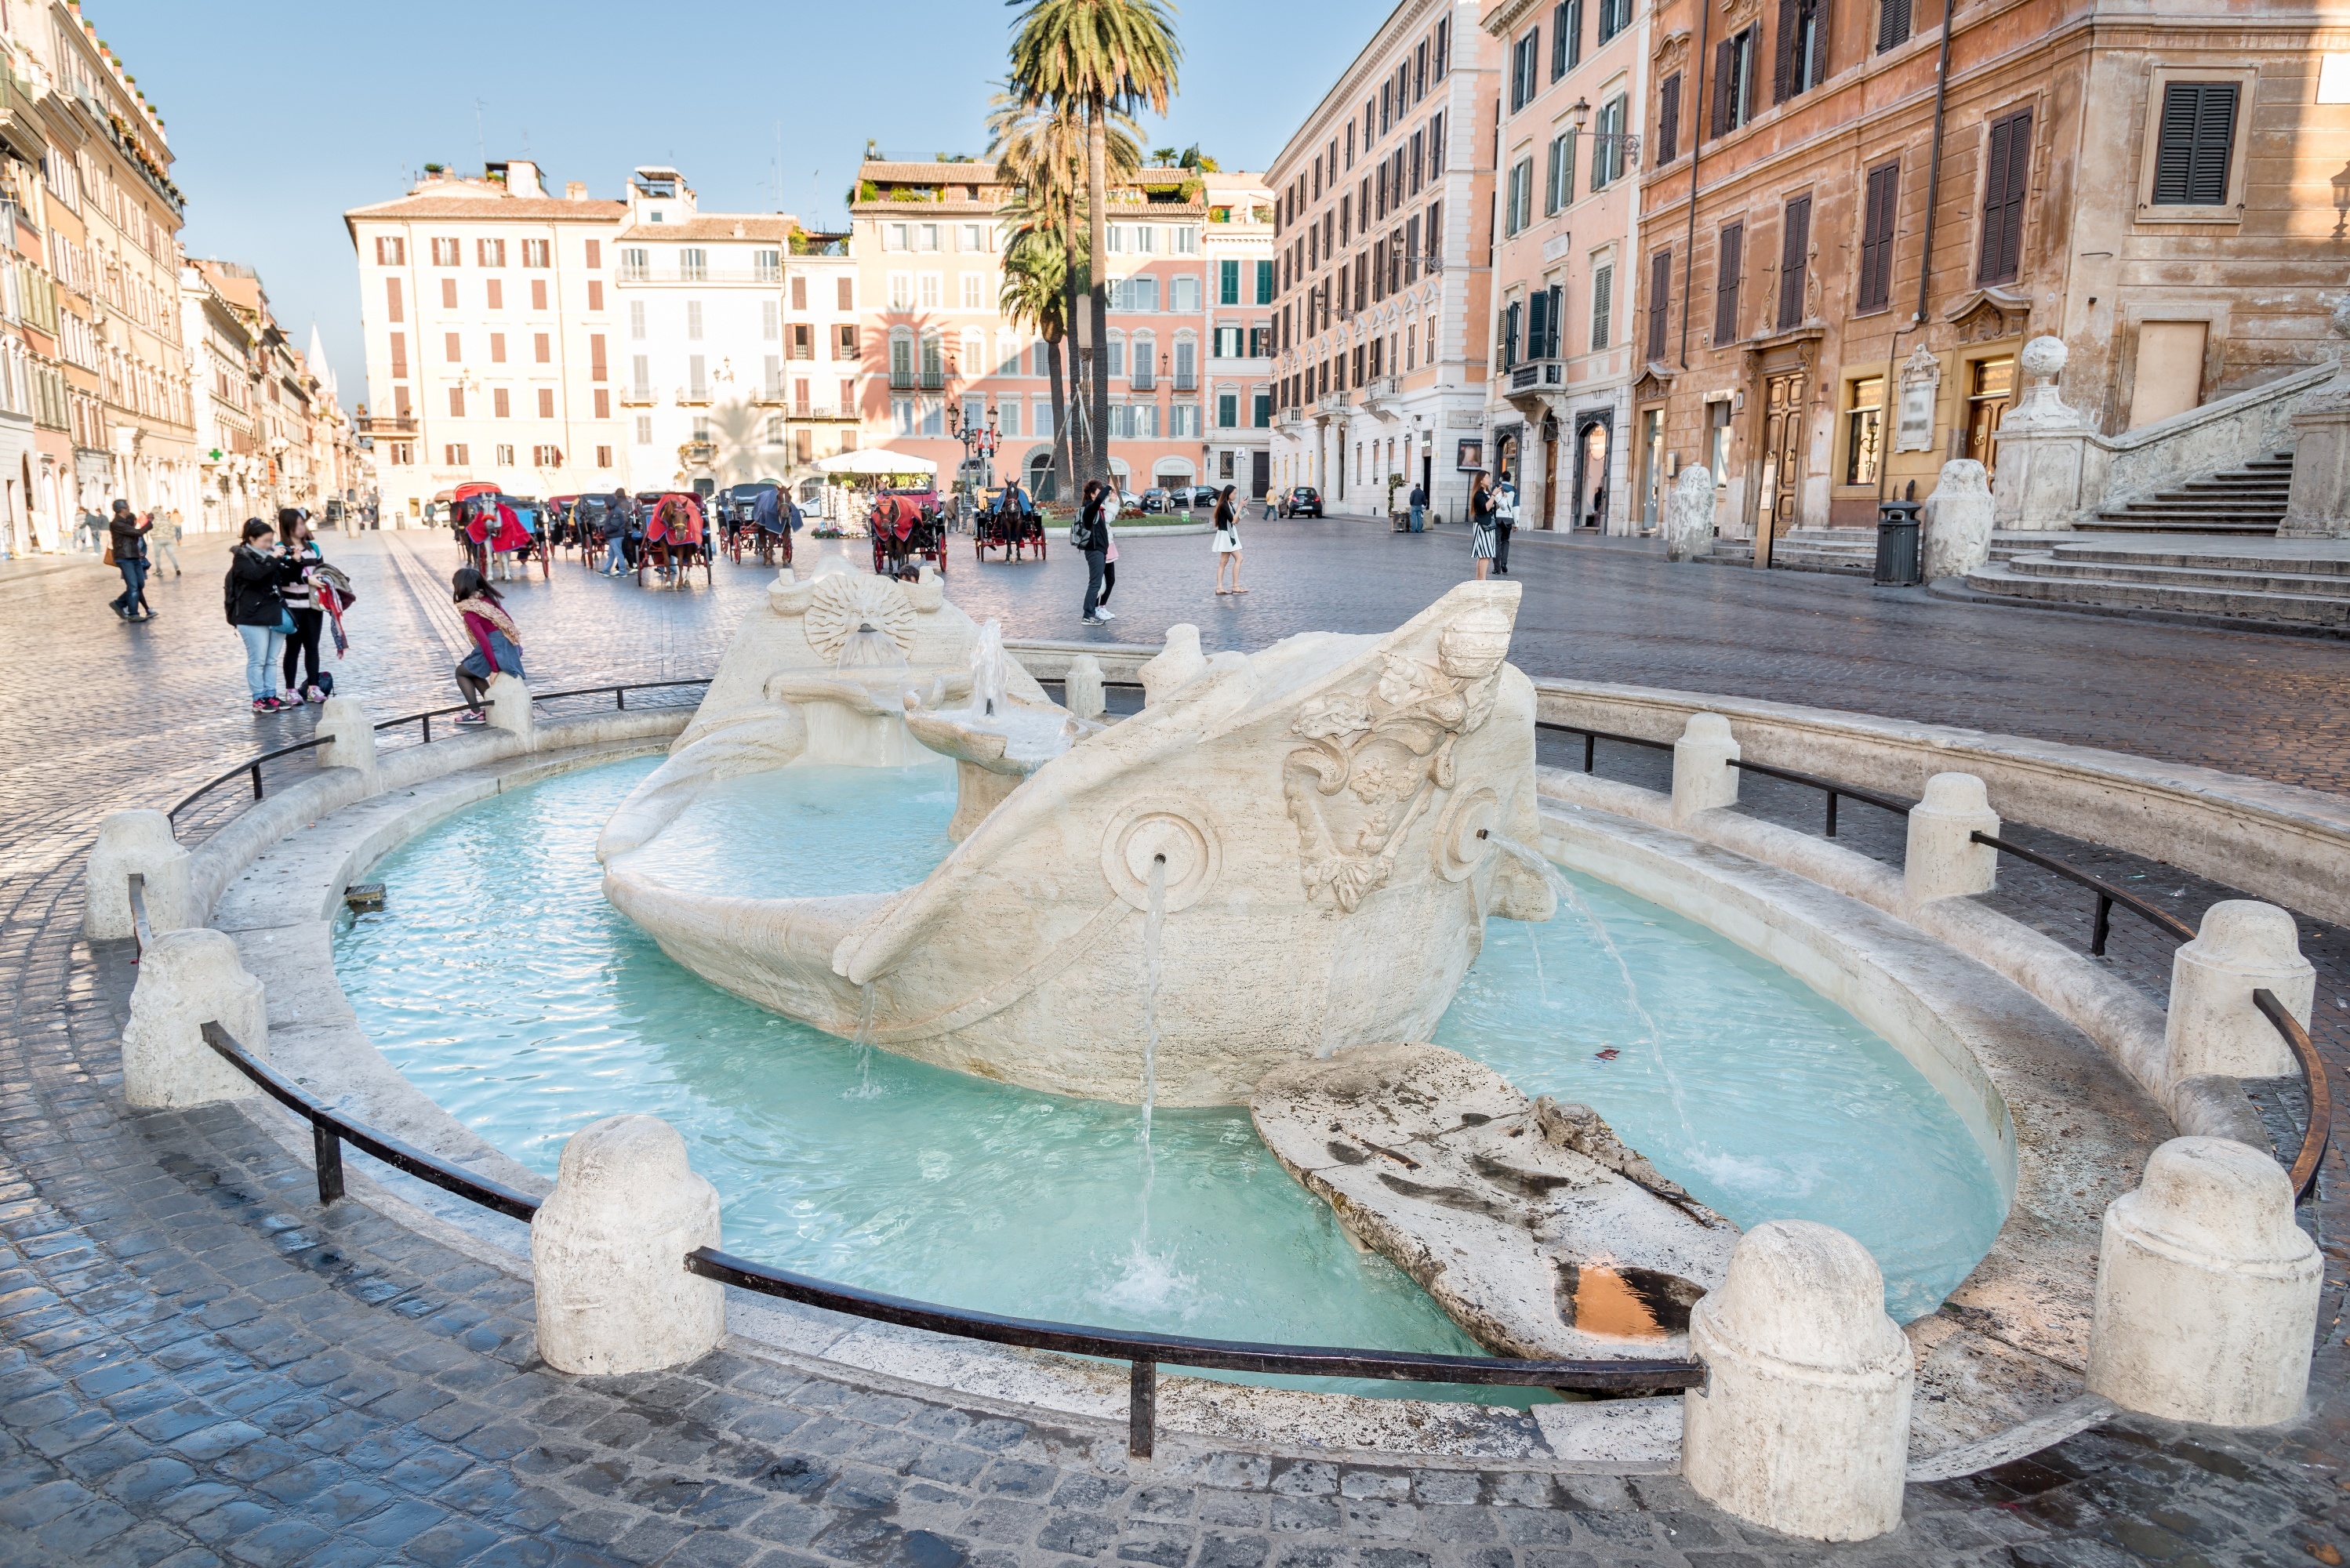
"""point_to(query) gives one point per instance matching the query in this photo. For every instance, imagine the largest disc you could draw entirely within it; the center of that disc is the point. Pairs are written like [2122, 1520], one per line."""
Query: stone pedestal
[509, 708]
[352, 727]
[1958, 521]
[2050, 467]
[1689, 515]
[1943, 861]
[2318, 506]
[2206, 1290]
[186, 980]
[2243, 946]
[1081, 689]
[1703, 779]
[1804, 1426]
[141, 842]
[608, 1250]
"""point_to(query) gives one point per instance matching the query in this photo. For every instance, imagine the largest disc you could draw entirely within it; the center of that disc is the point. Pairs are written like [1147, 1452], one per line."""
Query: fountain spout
[987, 669]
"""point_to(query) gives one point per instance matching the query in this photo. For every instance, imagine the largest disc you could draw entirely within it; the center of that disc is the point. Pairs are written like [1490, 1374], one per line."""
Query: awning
[880, 461]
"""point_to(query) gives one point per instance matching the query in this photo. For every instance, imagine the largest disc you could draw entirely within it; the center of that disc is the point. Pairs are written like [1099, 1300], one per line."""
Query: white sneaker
[1105, 614]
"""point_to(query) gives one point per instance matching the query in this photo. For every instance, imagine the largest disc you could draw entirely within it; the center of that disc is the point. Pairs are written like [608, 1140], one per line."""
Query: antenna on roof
[480, 147]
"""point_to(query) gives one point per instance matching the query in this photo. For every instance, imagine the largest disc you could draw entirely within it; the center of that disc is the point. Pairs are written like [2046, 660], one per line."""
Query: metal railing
[2107, 895]
[2319, 1126]
[252, 766]
[1143, 1353]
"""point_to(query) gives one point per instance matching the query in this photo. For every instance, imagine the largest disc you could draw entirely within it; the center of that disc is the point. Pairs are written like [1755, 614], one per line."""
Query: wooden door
[1776, 508]
[1990, 386]
[1550, 476]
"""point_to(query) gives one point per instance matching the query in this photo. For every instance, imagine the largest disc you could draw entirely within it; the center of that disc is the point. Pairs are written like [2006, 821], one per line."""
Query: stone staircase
[1845, 552]
[2304, 584]
[2247, 500]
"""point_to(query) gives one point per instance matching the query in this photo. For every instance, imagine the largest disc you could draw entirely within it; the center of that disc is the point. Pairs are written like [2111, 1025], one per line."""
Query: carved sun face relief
[844, 601]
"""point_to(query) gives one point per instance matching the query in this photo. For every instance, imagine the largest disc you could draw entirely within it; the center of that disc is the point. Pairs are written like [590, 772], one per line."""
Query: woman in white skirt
[1228, 540]
[1483, 532]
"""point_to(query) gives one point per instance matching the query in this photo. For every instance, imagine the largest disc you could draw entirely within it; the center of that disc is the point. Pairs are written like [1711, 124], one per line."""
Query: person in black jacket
[127, 535]
[257, 569]
[1090, 535]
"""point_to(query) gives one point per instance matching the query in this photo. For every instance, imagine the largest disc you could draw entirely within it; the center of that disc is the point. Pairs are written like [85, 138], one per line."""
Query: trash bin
[1896, 543]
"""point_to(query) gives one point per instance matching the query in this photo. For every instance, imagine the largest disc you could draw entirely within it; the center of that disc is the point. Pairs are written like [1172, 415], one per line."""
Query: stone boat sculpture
[1306, 828]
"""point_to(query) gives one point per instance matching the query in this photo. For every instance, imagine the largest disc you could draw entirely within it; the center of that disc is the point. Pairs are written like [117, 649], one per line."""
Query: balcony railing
[386, 425]
[701, 274]
[1142, 379]
[1187, 381]
[823, 411]
[1333, 406]
[933, 381]
[1537, 373]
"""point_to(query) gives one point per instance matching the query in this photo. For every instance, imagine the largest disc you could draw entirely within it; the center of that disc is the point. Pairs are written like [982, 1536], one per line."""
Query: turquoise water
[500, 982]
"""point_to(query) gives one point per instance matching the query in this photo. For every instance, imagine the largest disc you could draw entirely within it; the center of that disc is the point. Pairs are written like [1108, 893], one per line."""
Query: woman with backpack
[301, 546]
[257, 570]
[1090, 535]
[497, 644]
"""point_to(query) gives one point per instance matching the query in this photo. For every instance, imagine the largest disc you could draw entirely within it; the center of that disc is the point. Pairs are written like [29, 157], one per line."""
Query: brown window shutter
[2007, 169]
[1668, 118]
[1794, 243]
[1784, 85]
[1877, 237]
[2197, 139]
[1723, 57]
[596, 356]
[1730, 259]
[1823, 31]
[1660, 283]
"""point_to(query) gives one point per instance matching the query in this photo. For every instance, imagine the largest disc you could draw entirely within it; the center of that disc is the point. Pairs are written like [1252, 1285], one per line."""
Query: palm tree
[1036, 295]
[1095, 60]
[1040, 154]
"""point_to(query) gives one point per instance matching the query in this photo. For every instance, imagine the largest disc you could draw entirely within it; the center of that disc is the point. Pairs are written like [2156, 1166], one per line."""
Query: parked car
[1301, 501]
[1193, 498]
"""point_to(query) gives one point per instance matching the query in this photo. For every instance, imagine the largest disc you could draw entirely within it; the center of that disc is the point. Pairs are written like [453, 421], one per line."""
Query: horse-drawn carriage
[908, 530]
[676, 538]
[736, 509]
[490, 524]
[1016, 530]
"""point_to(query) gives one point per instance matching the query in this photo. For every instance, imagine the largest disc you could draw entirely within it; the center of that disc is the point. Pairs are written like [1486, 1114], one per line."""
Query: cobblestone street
[199, 1366]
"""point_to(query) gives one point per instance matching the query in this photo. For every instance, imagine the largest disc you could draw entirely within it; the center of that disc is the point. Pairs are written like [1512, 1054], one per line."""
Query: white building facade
[1383, 207]
[1238, 242]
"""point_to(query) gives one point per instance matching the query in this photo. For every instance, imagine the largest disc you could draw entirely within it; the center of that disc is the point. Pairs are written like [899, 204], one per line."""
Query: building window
[803, 341]
[931, 291]
[644, 430]
[1615, 15]
[1733, 82]
[1875, 282]
[504, 457]
[456, 455]
[845, 346]
[636, 264]
[500, 405]
[1668, 118]
[1559, 180]
[1008, 417]
[640, 377]
[1729, 258]
[1660, 299]
[693, 321]
[448, 253]
[2196, 138]
[771, 319]
[1228, 410]
[546, 456]
[692, 265]
[541, 347]
[603, 402]
[975, 291]
[637, 319]
[457, 402]
[603, 457]
[1603, 303]
[1801, 61]
[767, 266]
[1566, 39]
[547, 402]
[1795, 260]
[1521, 206]
[1183, 296]
[1525, 56]
[391, 250]
[497, 347]
[1228, 283]
[2007, 171]
[533, 252]
[1607, 147]
[1264, 283]
[1864, 429]
[490, 252]
[1892, 25]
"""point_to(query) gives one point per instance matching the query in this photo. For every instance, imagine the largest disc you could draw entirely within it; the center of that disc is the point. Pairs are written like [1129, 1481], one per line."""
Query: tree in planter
[1095, 59]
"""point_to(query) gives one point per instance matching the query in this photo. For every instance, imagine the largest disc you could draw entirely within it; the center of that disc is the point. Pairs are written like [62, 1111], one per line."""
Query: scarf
[481, 605]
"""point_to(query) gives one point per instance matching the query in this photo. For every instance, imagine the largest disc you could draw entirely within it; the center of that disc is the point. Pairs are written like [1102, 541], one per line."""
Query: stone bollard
[1178, 664]
[2206, 1290]
[353, 745]
[1703, 779]
[141, 842]
[1957, 519]
[2243, 946]
[608, 1250]
[1942, 860]
[1081, 688]
[1689, 515]
[186, 980]
[1804, 1424]
[510, 709]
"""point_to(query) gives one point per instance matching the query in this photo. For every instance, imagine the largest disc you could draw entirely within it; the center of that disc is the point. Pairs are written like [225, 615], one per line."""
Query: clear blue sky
[281, 115]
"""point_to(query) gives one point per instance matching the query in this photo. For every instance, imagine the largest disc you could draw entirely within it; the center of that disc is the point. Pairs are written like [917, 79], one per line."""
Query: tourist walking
[1228, 540]
[613, 527]
[1505, 522]
[497, 644]
[1418, 508]
[1481, 525]
[166, 538]
[126, 545]
[256, 569]
[301, 545]
[1090, 535]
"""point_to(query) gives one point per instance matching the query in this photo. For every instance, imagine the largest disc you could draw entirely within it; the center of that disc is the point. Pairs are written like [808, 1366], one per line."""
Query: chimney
[574, 190]
[521, 178]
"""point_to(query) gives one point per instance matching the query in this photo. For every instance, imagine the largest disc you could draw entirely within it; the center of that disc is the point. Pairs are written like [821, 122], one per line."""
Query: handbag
[110, 549]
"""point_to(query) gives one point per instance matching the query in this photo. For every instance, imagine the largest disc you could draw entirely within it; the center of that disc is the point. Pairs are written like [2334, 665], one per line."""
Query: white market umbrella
[878, 460]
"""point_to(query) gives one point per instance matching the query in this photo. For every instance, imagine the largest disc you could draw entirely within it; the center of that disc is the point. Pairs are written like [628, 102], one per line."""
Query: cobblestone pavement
[199, 1366]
